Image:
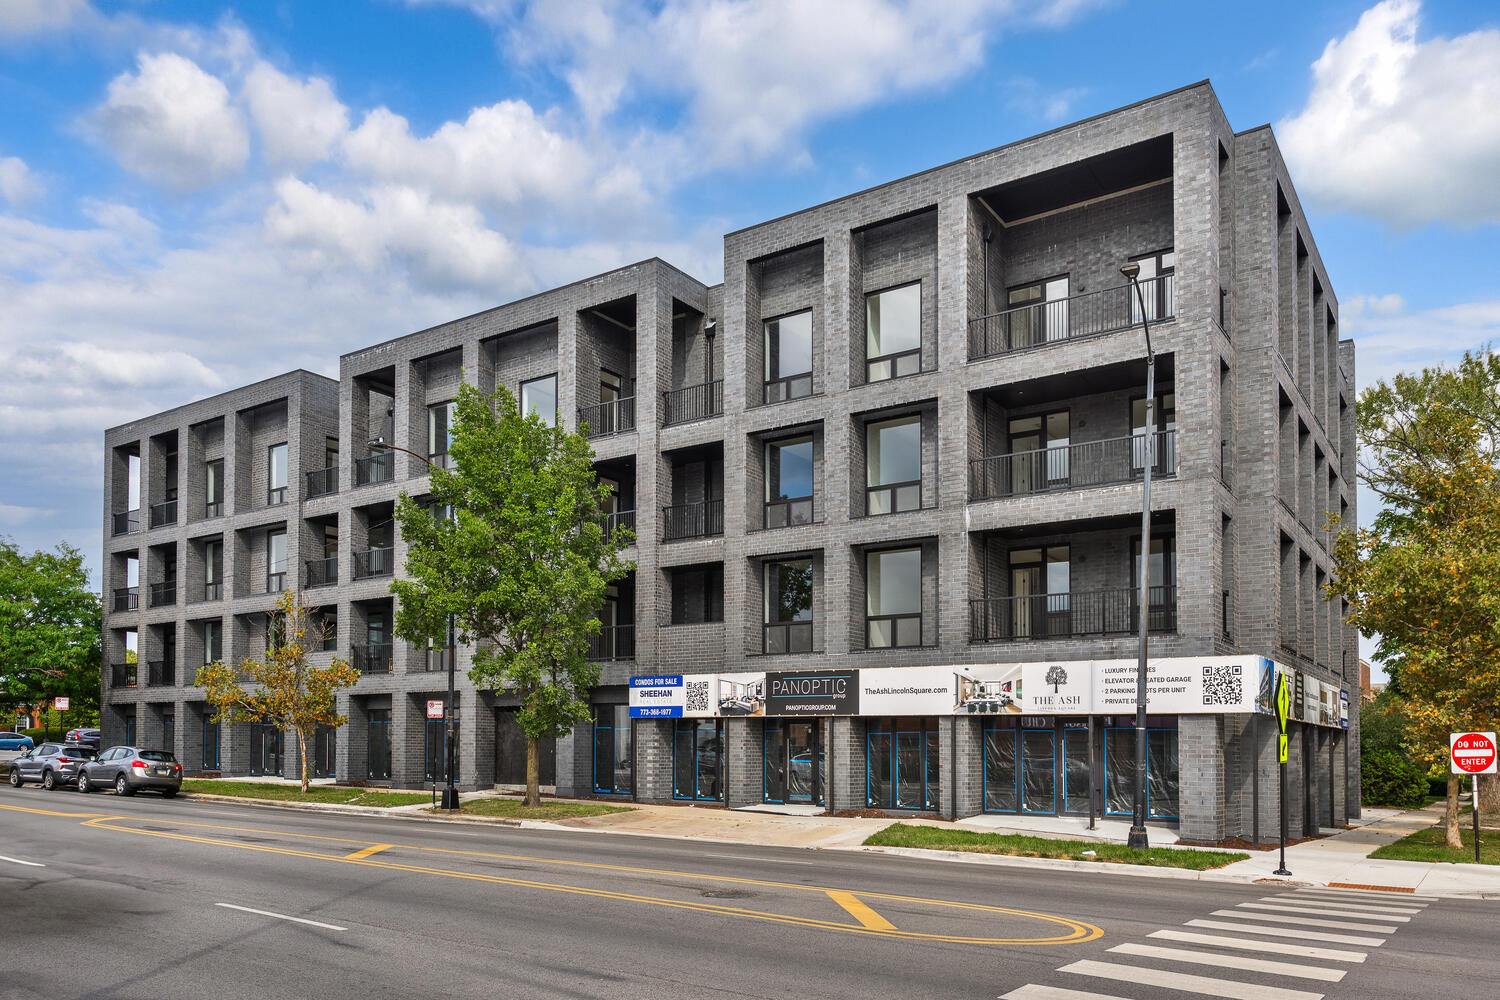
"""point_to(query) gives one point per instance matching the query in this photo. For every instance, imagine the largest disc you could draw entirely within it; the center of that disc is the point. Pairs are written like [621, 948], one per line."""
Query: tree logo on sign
[1057, 677]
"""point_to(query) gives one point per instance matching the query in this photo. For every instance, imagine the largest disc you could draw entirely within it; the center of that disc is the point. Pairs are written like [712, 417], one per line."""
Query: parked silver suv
[52, 764]
[129, 769]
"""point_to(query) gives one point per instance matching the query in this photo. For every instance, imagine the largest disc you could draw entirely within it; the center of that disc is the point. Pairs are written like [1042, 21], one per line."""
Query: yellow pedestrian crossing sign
[1283, 706]
[1281, 749]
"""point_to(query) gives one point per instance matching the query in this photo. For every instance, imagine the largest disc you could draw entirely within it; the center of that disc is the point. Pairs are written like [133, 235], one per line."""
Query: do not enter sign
[1472, 753]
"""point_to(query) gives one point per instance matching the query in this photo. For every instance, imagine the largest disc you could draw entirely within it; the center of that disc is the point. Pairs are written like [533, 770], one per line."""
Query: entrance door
[325, 746]
[265, 749]
[793, 762]
[1025, 585]
[510, 752]
[1038, 771]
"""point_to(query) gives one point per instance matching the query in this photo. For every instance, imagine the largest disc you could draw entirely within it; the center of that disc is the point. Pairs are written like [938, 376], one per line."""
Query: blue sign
[662, 697]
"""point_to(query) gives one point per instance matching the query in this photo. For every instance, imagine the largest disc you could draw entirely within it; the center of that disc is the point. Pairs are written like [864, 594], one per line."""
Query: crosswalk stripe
[1207, 985]
[1363, 898]
[1231, 962]
[1339, 904]
[1292, 932]
[1268, 947]
[1033, 991]
[1300, 908]
[1307, 921]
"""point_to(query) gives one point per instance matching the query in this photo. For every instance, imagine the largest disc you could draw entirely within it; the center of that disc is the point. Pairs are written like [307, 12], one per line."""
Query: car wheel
[83, 783]
[169, 793]
[15, 777]
[122, 787]
[49, 781]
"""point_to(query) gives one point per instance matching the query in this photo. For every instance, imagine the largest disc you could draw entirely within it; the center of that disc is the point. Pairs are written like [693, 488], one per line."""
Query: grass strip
[939, 838]
[290, 791]
[1428, 845]
[516, 809]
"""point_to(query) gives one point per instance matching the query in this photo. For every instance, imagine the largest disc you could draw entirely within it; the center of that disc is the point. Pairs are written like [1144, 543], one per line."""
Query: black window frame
[894, 358]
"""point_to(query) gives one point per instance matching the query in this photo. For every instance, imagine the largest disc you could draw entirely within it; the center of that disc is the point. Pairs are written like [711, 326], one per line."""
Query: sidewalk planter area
[937, 838]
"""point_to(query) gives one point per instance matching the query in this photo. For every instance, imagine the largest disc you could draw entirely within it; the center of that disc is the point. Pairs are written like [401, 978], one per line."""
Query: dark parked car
[130, 769]
[88, 737]
[52, 764]
[15, 741]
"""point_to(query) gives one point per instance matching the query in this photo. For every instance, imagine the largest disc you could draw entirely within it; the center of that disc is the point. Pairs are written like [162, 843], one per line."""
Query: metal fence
[1086, 612]
[612, 417]
[693, 402]
[693, 520]
[1066, 467]
[1084, 315]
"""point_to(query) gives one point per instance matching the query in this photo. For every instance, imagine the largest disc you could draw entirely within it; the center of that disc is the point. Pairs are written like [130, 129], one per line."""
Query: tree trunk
[302, 757]
[1489, 799]
[1450, 816]
[533, 772]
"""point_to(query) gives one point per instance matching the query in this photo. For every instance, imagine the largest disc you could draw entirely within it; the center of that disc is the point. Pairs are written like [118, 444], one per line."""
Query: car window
[85, 752]
[110, 754]
[48, 749]
[157, 755]
[9, 736]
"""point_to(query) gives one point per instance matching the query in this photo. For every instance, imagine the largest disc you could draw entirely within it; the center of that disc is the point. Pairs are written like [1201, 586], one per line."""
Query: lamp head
[378, 442]
[1131, 270]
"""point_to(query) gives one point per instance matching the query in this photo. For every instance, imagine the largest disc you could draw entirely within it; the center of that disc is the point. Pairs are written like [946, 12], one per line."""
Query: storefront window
[901, 764]
[1162, 774]
[436, 765]
[698, 759]
[793, 762]
[613, 761]
[210, 741]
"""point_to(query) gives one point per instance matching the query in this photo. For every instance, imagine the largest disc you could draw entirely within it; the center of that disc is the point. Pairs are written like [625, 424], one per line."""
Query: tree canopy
[49, 629]
[514, 549]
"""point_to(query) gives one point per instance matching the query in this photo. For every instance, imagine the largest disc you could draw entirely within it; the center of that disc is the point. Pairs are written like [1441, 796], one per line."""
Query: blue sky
[195, 195]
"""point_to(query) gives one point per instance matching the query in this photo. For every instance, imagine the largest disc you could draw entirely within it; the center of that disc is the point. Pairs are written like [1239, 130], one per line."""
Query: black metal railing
[787, 511]
[898, 365]
[693, 520]
[321, 482]
[612, 417]
[275, 496]
[786, 637]
[693, 402]
[127, 598]
[161, 673]
[1226, 617]
[1084, 315]
[124, 522]
[122, 675]
[893, 498]
[614, 642]
[1086, 612]
[379, 561]
[213, 508]
[322, 572]
[1069, 467]
[275, 582]
[617, 520]
[378, 468]
[779, 390]
[164, 513]
[213, 591]
[371, 658]
[163, 593]
[892, 631]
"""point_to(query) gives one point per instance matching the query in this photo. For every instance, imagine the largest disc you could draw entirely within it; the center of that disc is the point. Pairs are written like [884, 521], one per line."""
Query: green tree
[49, 630]
[1425, 576]
[289, 692]
[522, 564]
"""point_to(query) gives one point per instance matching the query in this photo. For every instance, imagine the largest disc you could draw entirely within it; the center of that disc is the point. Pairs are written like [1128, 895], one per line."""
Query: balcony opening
[695, 486]
[206, 569]
[434, 383]
[127, 568]
[162, 568]
[161, 662]
[697, 593]
[373, 423]
[374, 553]
[205, 468]
[125, 489]
[320, 537]
[606, 367]
[784, 298]
[123, 652]
[697, 388]
[616, 638]
[164, 480]
[261, 475]
[619, 507]
[371, 641]
[324, 481]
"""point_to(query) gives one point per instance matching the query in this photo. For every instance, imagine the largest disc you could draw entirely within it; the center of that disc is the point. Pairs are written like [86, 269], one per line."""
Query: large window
[275, 562]
[789, 356]
[1156, 278]
[539, 396]
[698, 759]
[893, 465]
[901, 764]
[893, 598]
[697, 594]
[439, 433]
[1162, 771]
[788, 606]
[378, 744]
[893, 332]
[789, 481]
[276, 474]
[213, 488]
[1039, 456]
[614, 762]
[213, 641]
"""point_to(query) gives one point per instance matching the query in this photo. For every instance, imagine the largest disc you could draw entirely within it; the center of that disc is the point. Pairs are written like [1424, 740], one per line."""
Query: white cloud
[172, 122]
[18, 182]
[1028, 97]
[1406, 131]
[298, 121]
[1391, 339]
[24, 18]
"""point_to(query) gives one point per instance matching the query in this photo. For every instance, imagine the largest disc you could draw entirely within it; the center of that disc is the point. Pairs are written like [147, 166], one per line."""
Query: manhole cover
[728, 894]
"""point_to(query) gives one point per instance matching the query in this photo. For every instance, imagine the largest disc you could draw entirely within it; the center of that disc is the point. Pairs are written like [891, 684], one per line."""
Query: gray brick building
[908, 430]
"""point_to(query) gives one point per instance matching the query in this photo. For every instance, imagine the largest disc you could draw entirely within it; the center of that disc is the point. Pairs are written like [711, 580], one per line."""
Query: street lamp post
[450, 738]
[1138, 839]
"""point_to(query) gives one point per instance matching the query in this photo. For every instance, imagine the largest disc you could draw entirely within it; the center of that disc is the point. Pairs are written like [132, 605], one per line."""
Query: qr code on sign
[697, 696]
[1223, 684]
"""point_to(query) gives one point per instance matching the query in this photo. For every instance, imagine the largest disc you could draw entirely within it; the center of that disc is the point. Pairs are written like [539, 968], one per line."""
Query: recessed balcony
[1073, 466]
[1088, 314]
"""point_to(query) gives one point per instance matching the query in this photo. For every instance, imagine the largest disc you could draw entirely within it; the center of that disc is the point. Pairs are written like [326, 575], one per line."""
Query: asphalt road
[102, 896]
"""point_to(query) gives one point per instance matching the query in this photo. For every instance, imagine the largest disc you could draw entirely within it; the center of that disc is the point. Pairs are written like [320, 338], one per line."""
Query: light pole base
[1138, 840]
[1281, 871]
[450, 798]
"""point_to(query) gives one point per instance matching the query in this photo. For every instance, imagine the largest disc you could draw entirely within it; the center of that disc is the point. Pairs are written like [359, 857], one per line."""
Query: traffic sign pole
[1283, 706]
[1473, 754]
[1474, 798]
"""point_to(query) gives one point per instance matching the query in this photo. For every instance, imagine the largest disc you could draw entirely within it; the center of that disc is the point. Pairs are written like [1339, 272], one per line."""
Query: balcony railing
[613, 417]
[898, 365]
[275, 582]
[787, 511]
[127, 598]
[371, 658]
[124, 522]
[893, 498]
[161, 673]
[1085, 315]
[1070, 467]
[322, 572]
[693, 402]
[122, 675]
[779, 390]
[321, 482]
[1086, 612]
[213, 591]
[617, 520]
[375, 562]
[693, 520]
[380, 468]
[786, 637]
[614, 642]
[893, 631]
[163, 593]
[164, 513]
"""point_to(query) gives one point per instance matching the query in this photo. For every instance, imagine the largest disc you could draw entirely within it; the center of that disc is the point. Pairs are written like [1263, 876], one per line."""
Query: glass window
[276, 552]
[439, 428]
[213, 485]
[277, 466]
[789, 346]
[614, 763]
[1165, 419]
[378, 743]
[539, 396]
[789, 481]
[609, 386]
[893, 598]
[1162, 772]
[213, 641]
[789, 591]
[210, 741]
[893, 464]
[901, 764]
[698, 759]
[1038, 312]
[1156, 278]
[213, 561]
[893, 332]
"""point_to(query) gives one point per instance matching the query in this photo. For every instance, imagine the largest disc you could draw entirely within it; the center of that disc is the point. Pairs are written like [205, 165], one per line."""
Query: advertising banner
[988, 689]
[1181, 685]
[1062, 687]
[812, 692]
[907, 691]
[657, 697]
